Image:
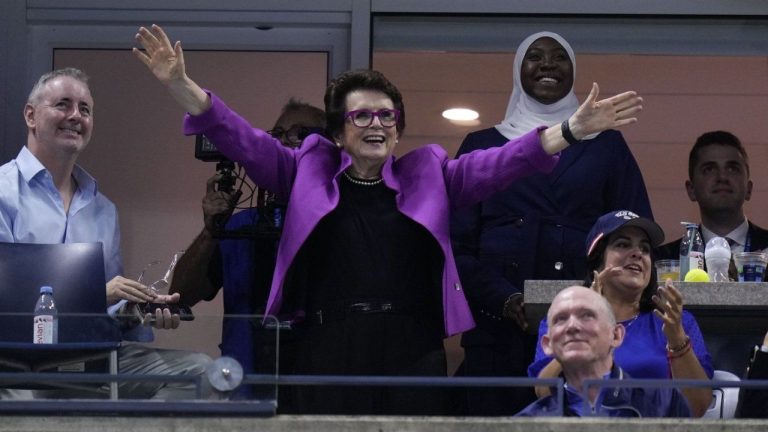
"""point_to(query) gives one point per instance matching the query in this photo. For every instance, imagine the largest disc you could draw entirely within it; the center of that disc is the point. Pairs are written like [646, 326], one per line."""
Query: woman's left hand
[669, 303]
[596, 116]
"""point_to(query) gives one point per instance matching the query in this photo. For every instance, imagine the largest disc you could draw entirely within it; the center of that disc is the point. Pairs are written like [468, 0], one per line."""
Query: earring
[397, 141]
[338, 144]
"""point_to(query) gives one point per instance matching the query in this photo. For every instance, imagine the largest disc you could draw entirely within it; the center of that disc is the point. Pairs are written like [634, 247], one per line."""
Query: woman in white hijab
[524, 110]
[536, 229]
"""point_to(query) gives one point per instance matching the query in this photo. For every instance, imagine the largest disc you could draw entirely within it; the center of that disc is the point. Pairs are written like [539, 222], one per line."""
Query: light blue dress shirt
[32, 211]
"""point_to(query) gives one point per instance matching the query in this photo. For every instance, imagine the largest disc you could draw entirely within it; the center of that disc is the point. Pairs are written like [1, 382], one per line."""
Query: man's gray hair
[71, 72]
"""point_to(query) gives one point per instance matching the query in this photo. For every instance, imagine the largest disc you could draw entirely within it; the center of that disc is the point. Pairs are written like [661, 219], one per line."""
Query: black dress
[369, 279]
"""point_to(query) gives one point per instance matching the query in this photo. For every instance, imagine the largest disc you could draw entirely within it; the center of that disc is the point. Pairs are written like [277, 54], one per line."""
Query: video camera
[264, 227]
[207, 152]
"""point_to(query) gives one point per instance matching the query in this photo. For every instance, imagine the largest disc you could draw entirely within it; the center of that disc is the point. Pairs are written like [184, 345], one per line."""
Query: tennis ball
[696, 275]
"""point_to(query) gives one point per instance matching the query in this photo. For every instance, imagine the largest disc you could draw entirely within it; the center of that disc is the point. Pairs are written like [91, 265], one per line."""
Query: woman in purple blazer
[365, 260]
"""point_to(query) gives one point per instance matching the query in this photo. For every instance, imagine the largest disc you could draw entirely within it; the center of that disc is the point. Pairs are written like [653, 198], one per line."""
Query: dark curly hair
[596, 261]
[346, 83]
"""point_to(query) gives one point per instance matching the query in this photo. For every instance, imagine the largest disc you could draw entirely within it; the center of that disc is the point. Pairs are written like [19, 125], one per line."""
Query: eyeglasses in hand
[162, 284]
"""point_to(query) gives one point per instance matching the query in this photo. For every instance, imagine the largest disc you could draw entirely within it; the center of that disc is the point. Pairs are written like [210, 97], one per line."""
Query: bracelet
[673, 355]
[684, 346]
[565, 129]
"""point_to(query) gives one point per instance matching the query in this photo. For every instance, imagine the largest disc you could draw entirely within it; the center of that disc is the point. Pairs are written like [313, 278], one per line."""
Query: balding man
[582, 335]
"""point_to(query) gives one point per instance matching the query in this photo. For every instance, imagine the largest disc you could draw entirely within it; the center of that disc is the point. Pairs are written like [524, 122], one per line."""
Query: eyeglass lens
[364, 118]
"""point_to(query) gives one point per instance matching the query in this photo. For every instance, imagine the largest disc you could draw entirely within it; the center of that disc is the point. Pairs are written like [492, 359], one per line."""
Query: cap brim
[654, 231]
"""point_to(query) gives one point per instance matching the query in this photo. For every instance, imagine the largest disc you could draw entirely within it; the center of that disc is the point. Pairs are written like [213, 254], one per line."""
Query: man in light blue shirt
[46, 198]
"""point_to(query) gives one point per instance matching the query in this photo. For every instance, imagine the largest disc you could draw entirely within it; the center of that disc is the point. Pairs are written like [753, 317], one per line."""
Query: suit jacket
[753, 402]
[758, 238]
[426, 182]
[537, 227]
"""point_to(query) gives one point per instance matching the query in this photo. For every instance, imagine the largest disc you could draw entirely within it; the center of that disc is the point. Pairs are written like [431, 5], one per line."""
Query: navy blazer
[537, 228]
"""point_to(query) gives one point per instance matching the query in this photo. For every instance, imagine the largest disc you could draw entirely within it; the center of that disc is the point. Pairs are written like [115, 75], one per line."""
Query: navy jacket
[537, 228]
[620, 402]
[753, 403]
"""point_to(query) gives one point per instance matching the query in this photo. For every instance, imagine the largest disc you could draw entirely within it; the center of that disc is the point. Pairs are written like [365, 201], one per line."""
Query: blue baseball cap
[614, 220]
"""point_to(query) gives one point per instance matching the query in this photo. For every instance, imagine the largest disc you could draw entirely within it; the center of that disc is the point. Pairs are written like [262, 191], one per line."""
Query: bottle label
[696, 260]
[43, 329]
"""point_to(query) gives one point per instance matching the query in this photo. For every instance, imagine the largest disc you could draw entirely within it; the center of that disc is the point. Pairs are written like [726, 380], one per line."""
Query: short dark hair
[721, 138]
[71, 72]
[296, 105]
[596, 262]
[346, 83]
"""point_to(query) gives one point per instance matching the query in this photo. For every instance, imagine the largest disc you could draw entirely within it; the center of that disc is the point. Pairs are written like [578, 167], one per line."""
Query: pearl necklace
[362, 182]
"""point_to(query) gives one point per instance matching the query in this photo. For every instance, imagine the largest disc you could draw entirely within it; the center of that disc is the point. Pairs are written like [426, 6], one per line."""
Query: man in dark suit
[718, 180]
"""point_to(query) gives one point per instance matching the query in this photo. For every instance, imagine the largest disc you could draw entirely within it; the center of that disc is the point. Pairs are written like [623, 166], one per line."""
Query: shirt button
[558, 266]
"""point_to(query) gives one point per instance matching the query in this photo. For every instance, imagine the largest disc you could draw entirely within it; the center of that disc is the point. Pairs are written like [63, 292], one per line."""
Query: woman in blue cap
[662, 340]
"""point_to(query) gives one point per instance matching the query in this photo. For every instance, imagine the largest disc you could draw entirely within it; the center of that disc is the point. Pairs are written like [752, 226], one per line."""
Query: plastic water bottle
[691, 249]
[46, 320]
[718, 256]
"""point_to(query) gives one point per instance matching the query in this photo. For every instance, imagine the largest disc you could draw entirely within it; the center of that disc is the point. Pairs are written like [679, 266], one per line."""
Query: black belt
[325, 315]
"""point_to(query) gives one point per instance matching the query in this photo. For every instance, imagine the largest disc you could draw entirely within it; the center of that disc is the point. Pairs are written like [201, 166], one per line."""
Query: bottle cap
[45, 289]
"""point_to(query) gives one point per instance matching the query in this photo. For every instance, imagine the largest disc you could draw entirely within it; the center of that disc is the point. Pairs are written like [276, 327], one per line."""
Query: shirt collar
[30, 167]
[576, 402]
[738, 235]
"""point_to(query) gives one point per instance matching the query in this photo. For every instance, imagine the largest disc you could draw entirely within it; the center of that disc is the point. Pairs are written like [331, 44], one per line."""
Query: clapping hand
[669, 308]
[599, 279]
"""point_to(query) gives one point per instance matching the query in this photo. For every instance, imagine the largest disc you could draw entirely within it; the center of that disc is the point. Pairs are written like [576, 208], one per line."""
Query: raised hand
[669, 304]
[599, 279]
[596, 116]
[164, 60]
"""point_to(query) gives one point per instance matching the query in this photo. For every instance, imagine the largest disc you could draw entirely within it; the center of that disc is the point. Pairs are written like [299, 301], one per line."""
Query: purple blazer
[426, 182]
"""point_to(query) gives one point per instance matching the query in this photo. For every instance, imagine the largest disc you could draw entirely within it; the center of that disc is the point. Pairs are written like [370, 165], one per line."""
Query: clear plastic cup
[667, 269]
[750, 265]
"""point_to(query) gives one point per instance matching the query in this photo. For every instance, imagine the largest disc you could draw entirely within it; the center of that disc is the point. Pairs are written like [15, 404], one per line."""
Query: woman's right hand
[599, 279]
[166, 62]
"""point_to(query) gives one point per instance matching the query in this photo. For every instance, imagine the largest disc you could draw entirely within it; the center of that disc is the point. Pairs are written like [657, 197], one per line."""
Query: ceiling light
[460, 114]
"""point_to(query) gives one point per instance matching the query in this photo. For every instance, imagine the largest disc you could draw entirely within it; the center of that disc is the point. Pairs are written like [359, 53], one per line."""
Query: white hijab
[525, 113]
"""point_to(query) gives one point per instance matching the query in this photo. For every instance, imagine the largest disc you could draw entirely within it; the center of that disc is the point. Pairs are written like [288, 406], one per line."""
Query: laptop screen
[76, 273]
